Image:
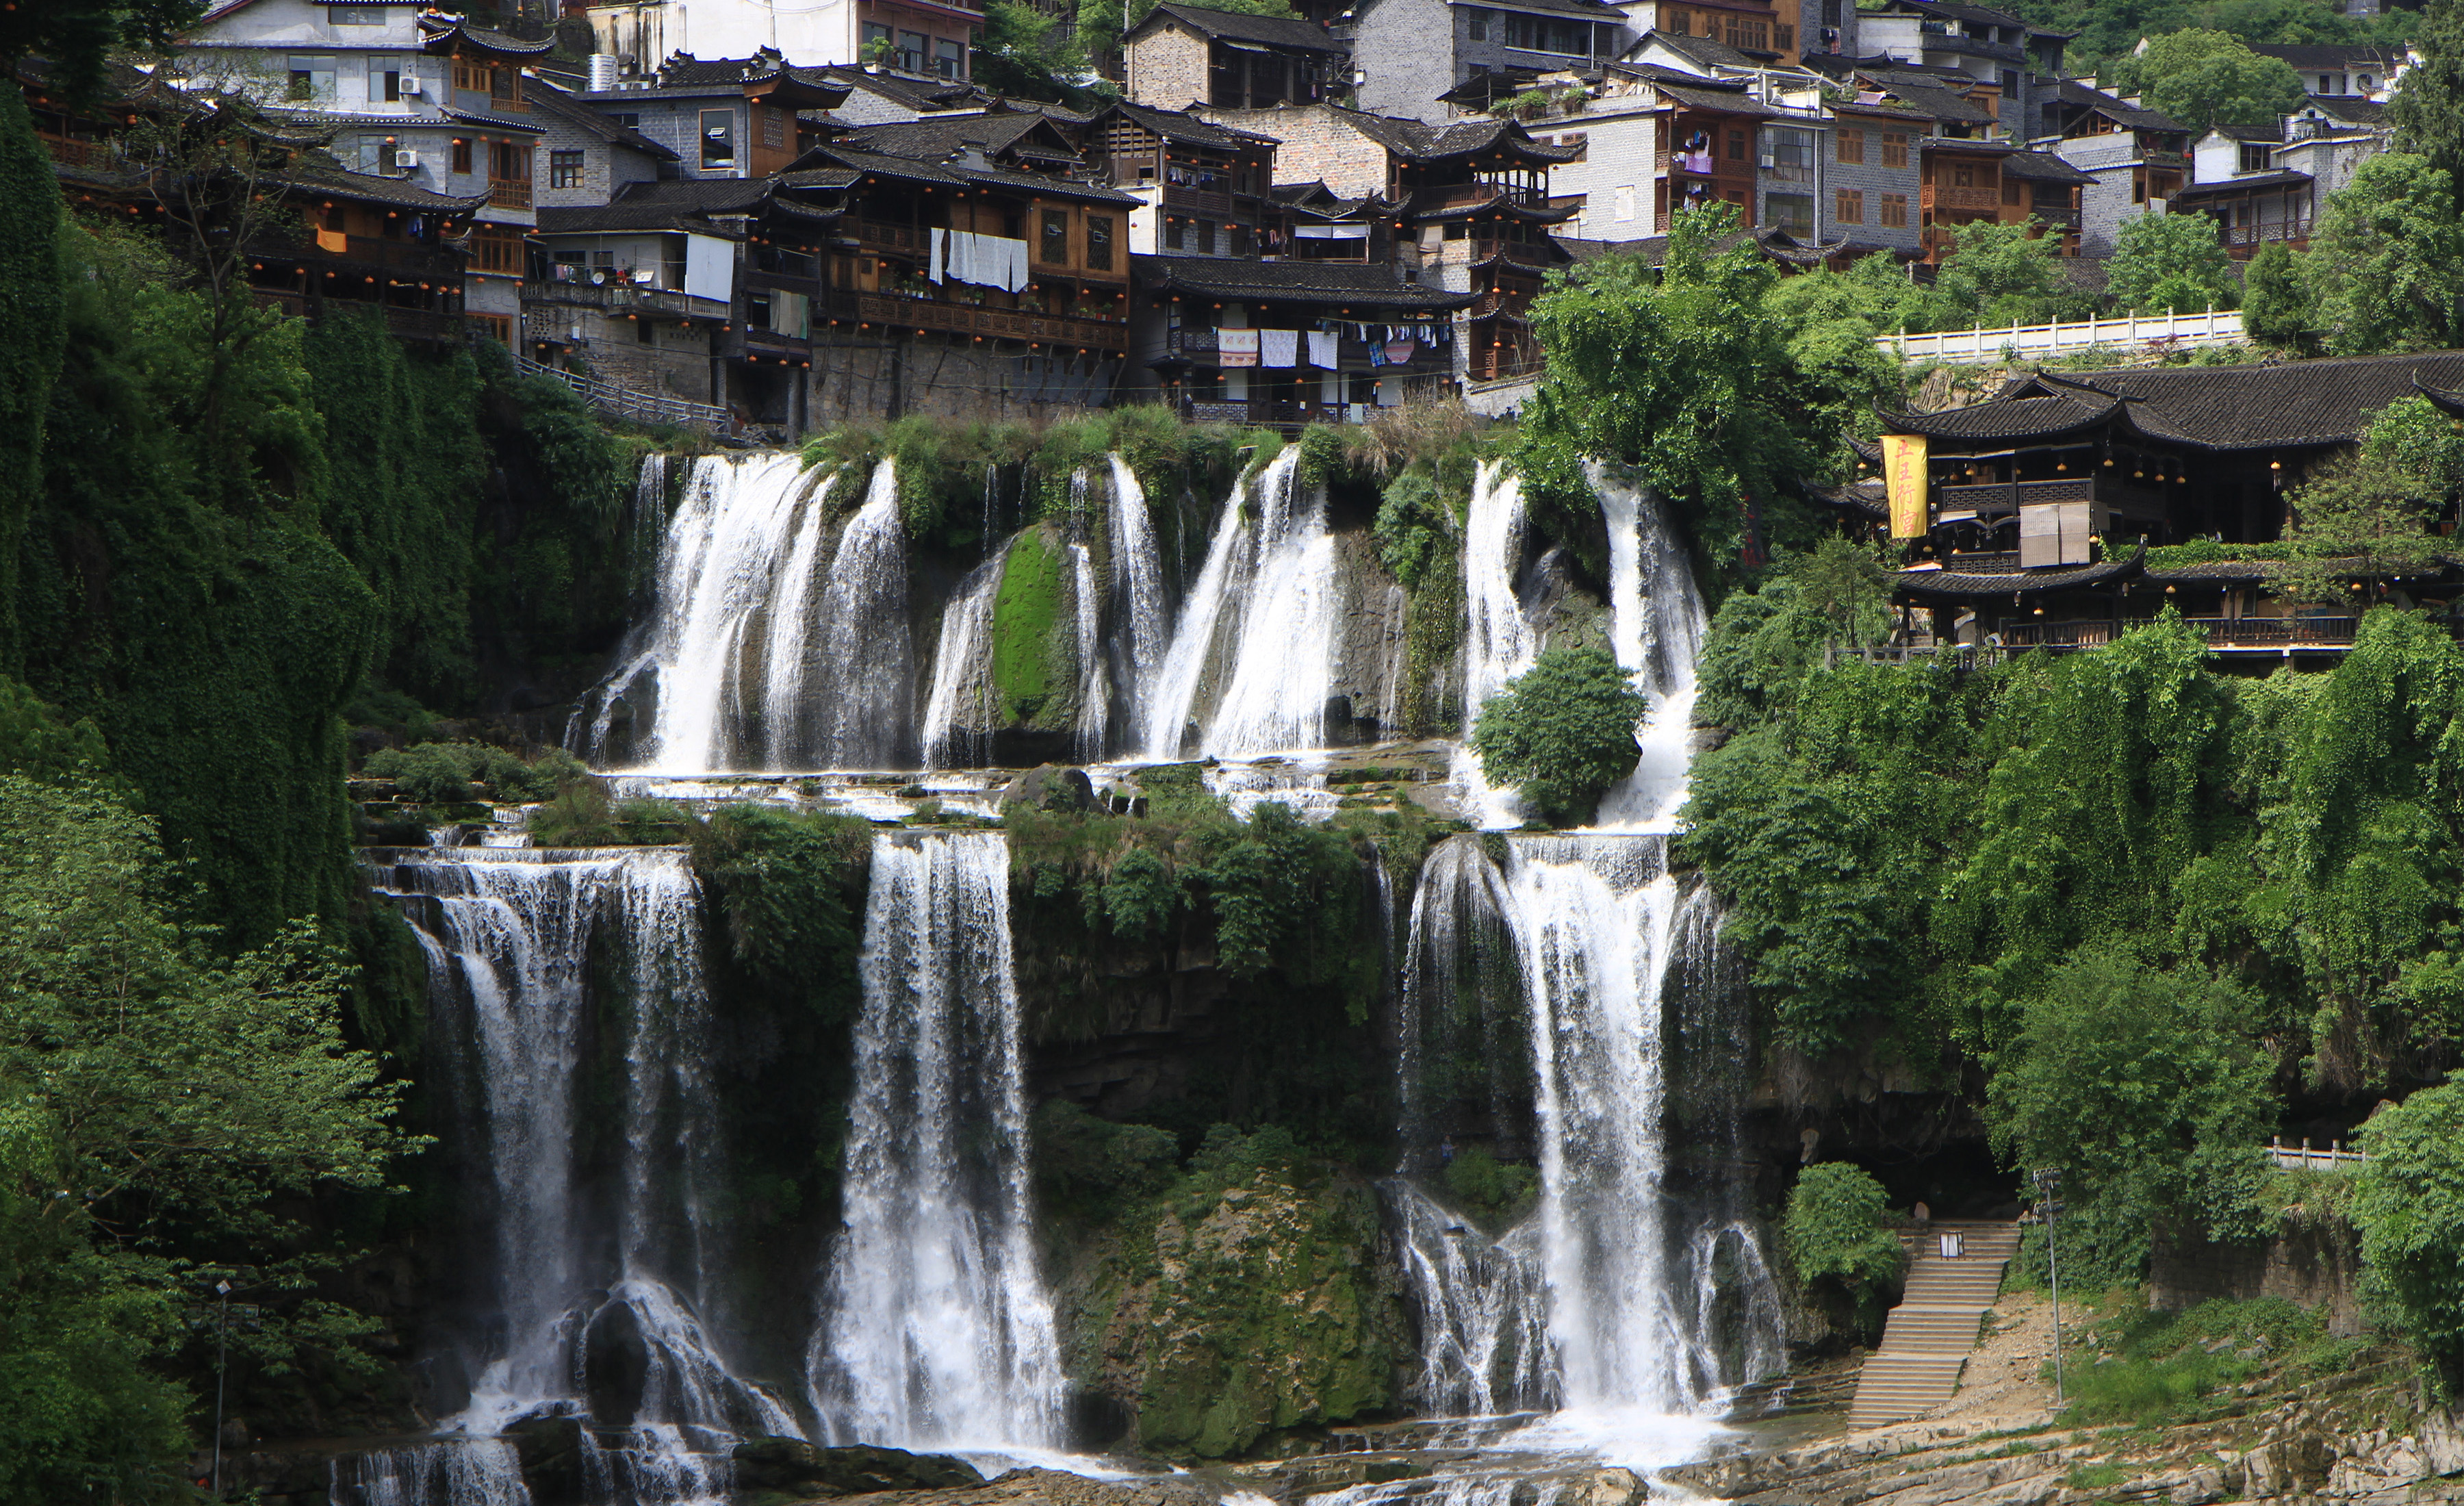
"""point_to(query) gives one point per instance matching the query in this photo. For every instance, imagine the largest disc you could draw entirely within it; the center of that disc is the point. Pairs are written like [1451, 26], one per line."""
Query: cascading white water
[1139, 635]
[477, 1471]
[770, 644]
[1483, 1310]
[957, 713]
[1656, 625]
[1458, 959]
[936, 1330]
[1094, 677]
[1262, 619]
[510, 935]
[1498, 641]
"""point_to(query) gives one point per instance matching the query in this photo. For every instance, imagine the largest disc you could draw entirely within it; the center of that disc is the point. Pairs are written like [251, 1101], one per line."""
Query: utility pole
[222, 1352]
[2049, 1185]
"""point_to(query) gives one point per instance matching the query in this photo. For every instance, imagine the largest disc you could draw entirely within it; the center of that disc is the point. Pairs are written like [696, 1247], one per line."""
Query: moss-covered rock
[1235, 1306]
[1034, 651]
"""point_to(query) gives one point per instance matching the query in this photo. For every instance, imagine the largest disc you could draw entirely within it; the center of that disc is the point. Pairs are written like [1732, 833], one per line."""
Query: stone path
[1927, 1337]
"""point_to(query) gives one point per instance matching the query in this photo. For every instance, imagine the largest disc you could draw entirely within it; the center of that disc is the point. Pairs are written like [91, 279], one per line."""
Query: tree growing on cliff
[2428, 104]
[1835, 1236]
[2142, 1086]
[2278, 306]
[2170, 262]
[1562, 732]
[2408, 1204]
[2203, 77]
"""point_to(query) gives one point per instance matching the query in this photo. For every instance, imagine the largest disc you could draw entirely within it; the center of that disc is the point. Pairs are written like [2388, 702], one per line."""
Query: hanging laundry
[1238, 348]
[1321, 349]
[1400, 351]
[1279, 348]
[933, 260]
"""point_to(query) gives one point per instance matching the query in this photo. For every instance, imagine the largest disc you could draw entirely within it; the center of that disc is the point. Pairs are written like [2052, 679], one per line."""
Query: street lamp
[2049, 1185]
[222, 1350]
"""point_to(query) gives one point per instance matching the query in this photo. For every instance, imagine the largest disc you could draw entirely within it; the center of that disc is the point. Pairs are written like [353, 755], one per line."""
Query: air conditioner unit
[405, 160]
[410, 88]
[1769, 161]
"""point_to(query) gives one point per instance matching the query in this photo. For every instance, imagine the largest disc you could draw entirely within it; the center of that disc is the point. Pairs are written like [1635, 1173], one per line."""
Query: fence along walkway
[2133, 333]
[626, 402]
[1927, 1337]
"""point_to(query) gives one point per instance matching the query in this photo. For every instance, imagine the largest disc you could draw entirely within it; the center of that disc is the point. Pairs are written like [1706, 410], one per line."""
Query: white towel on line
[1279, 348]
[1321, 348]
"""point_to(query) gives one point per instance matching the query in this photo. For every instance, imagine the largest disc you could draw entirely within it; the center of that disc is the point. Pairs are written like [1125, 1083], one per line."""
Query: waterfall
[769, 645]
[1137, 590]
[481, 1472]
[1261, 617]
[959, 711]
[1500, 641]
[936, 1330]
[1094, 683]
[542, 963]
[1461, 1034]
[1656, 626]
[1483, 1310]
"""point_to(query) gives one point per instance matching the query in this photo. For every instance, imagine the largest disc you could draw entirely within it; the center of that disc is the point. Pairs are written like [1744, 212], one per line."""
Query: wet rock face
[1051, 787]
[795, 1468]
[616, 1362]
[551, 1451]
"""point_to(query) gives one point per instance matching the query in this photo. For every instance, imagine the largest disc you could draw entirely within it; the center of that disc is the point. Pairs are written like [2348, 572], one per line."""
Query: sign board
[1903, 476]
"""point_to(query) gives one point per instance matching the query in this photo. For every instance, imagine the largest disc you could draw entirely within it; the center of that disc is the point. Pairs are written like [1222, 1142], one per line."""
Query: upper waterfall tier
[937, 1329]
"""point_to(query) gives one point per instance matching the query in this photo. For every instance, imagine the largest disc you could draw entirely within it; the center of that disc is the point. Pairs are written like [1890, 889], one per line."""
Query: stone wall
[1167, 69]
[862, 381]
[2313, 1264]
[1318, 145]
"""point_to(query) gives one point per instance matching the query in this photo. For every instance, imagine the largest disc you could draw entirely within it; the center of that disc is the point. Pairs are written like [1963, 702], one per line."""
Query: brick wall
[1619, 152]
[1317, 145]
[1871, 179]
[1167, 68]
[1409, 51]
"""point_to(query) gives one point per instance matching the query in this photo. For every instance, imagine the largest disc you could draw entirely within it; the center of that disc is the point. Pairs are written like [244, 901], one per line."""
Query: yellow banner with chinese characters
[1903, 474]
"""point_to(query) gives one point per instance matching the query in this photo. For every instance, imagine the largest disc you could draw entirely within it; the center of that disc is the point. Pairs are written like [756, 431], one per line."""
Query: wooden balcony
[627, 295]
[1261, 414]
[1947, 197]
[899, 313]
[2279, 635]
[510, 193]
[1990, 498]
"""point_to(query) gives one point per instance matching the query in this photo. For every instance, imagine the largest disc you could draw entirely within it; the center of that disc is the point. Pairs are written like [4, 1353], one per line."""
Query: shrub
[1411, 529]
[1836, 1235]
[1489, 1191]
[435, 773]
[2409, 1207]
[1563, 732]
[1140, 894]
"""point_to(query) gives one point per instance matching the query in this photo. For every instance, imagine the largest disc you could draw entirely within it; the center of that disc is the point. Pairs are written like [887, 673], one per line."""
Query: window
[2254, 156]
[718, 138]
[1737, 146]
[1962, 175]
[504, 85]
[875, 31]
[499, 326]
[384, 79]
[1625, 203]
[912, 47]
[1851, 208]
[1206, 235]
[1831, 13]
[509, 162]
[1476, 25]
[1784, 38]
[1099, 242]
[312, 78]
[949, 58]
[2139, 186]
[1518, 32]
[646, 331]
[1895, 149]
[1895, 210]
[2010, 190]
[461, 154]
[1849, 146]
[564, 170]
[1175, 235]
[496, 247]
[474, 77]
[1792, 154]
[354, 15]
[1793, 213]
[1055, 251]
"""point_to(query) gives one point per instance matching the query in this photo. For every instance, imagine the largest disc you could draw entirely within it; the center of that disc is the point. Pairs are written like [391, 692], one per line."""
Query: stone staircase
[1927, 1337]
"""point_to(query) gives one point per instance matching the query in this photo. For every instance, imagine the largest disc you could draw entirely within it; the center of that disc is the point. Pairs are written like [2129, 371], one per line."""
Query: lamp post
[2049, 1185]
[222, 1351]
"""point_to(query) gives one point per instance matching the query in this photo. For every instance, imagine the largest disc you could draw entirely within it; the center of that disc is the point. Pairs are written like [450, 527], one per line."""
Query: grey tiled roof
[1267, 31]
[1361, 286]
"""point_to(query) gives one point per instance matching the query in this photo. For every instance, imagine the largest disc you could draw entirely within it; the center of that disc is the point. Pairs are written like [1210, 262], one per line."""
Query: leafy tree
[2170, 262]
[1834, 1232]
[2202, 78]
[2408, 1204]
[2278, 22]
[78, 34]
[1562, 731]
[2007, 275]
[153, 1103]
[1683, 373]
[33, 331]
[1847, 588]
[2142, 1088]
[1413, 531]
[2389, 259]
[2428, 104]
[1023, 52]
[1762, 645]
[2370, 511]
[2278, 306]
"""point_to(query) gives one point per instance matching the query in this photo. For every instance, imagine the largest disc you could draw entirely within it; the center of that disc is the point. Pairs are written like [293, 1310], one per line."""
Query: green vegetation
[579, 814]
[1028, 627]
[164, 1110]
[2409, 1204]
[2170, 263]
[1836, 1235]
[446, 772]
[2157, 1368]
[1562, 732]
[2209, 77]
[1492, 1194]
